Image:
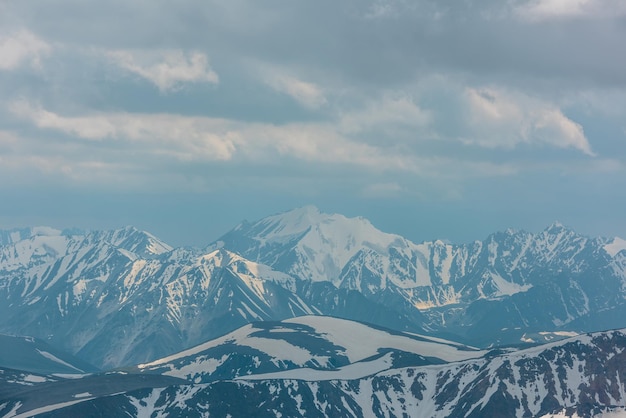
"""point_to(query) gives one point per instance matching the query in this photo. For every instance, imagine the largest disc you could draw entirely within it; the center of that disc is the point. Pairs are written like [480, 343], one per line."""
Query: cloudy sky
[434, 119]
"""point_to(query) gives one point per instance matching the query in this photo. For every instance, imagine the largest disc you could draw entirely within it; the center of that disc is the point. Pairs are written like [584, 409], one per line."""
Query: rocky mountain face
[321, 366]
[88, 292]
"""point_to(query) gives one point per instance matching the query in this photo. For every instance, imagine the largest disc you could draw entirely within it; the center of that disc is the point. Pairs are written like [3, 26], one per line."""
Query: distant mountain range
[122, 298]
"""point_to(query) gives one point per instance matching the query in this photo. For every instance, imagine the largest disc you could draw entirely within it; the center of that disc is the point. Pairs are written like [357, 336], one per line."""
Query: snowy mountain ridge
[350, 252]
[250, 373]
[438, 278]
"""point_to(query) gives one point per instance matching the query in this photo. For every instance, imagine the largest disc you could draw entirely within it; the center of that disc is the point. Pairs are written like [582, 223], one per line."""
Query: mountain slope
[580, 376]
[32, 355]
[309, 342]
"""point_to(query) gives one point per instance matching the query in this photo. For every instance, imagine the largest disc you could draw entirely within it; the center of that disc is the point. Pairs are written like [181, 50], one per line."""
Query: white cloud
[540, 10]
[186, 138]
[501, 119]
[20, 48]
[93, 128]
[306, 93]
[167, 69]
[545, 9]
[391, 110]
[210, 139]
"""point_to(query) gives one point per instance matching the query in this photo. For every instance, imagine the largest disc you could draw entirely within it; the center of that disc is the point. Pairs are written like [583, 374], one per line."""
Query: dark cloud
[342, 37]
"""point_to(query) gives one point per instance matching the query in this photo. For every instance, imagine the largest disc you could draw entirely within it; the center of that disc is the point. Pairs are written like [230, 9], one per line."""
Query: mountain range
[125, 299]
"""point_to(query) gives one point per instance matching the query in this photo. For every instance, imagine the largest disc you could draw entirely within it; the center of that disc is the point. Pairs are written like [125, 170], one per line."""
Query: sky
[433, 119]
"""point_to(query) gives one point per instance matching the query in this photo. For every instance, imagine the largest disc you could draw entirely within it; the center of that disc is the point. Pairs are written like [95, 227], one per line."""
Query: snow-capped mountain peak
[294, 222]
[310, 220]
[322, 244]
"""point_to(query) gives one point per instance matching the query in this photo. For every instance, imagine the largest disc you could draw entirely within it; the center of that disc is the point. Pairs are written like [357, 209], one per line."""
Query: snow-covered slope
[582, 376]
[309, 342]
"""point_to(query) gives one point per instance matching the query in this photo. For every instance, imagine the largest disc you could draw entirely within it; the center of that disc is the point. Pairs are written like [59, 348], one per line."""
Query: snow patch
[48, 408]
[506, 288]
[34, 379]
[146, 406]
[352, 335]
[56, 359]
[13, 411]
[614, 247]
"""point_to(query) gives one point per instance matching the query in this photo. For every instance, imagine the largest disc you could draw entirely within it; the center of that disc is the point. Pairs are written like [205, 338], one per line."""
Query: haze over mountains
[124, 298]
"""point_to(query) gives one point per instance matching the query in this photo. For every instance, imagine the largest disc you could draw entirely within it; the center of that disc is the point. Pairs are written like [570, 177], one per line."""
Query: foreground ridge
[581, 376]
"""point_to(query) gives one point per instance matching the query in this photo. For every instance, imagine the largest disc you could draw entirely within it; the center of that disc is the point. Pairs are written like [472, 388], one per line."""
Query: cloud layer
[376, 100]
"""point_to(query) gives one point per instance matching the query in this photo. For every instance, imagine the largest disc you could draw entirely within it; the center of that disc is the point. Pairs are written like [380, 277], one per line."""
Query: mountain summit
[308, 243]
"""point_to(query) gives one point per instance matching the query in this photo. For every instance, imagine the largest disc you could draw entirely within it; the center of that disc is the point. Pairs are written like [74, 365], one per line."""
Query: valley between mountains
[311, 314]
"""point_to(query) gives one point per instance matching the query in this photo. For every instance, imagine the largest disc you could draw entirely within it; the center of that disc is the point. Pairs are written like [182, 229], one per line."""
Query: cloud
[546, 9]
[20, 48]
[500, 119]
[539, 10]
[390, 110]
[167, 69]
[322, 143]
[212, 139]
[93, 128]
[307, 94]
[185, 138]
